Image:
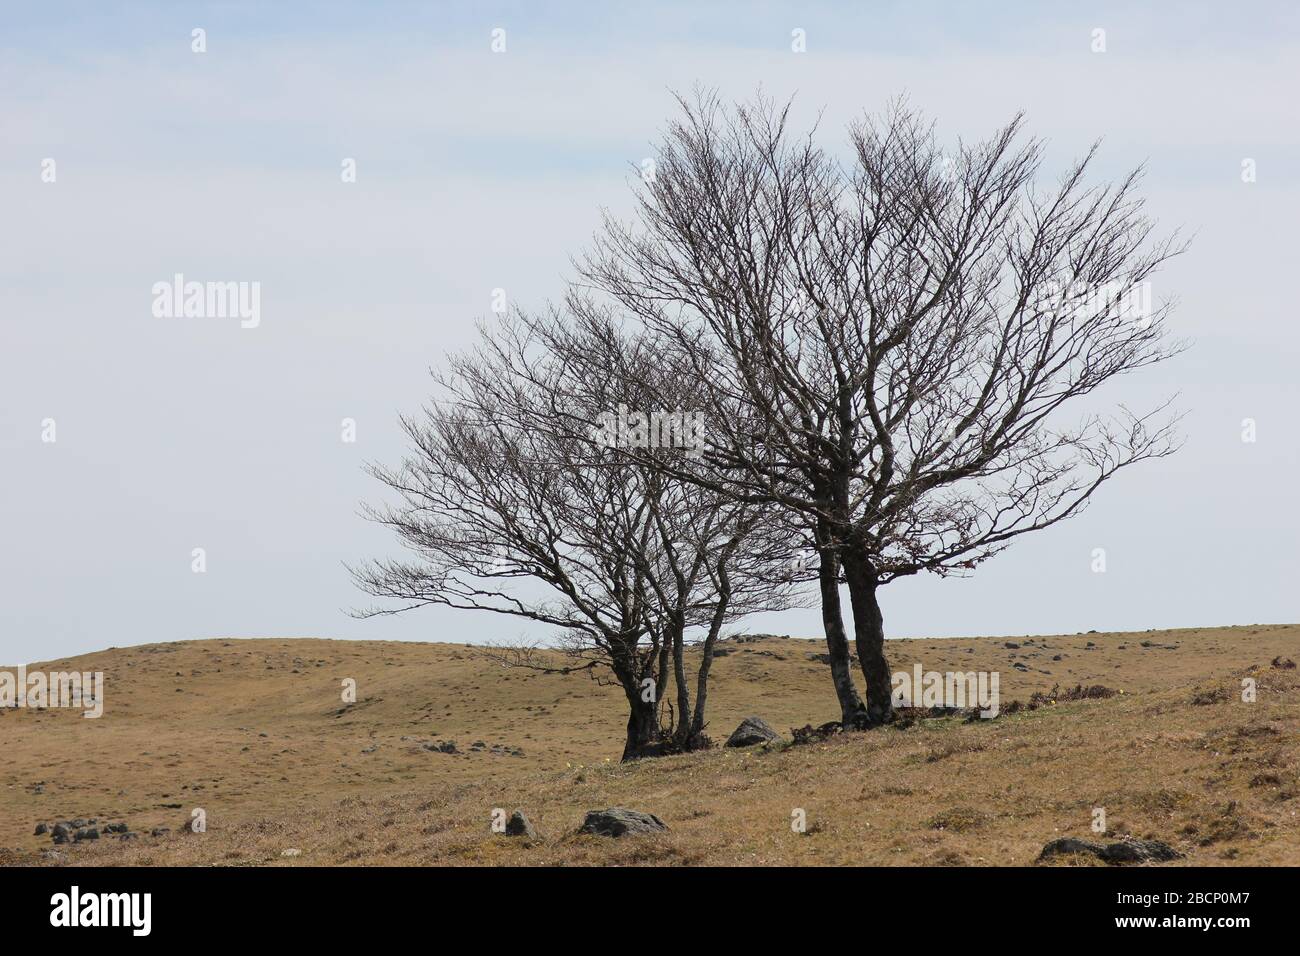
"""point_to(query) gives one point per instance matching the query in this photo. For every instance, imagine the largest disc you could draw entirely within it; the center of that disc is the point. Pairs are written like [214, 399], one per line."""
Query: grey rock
[1127, 850]
[752, 730]
[520, 826]
[618, 821]
[41, 829]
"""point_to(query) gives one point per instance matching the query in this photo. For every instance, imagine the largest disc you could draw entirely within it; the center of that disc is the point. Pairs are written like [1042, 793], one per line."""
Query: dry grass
[255, 733]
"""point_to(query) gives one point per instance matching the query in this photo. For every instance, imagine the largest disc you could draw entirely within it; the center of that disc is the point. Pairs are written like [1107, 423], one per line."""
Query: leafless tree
[901, 329]
[508, 485]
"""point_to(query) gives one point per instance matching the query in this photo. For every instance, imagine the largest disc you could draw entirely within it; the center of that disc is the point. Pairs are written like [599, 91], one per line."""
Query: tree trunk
[643, 738]
[682, 732]
[696, 736]
[643, 735]
[852, 712]
[869, 636]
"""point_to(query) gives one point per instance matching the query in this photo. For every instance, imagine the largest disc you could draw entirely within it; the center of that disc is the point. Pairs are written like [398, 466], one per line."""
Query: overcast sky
[479, 170]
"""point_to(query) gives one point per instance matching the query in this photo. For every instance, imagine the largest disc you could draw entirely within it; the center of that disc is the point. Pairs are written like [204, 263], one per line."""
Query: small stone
[520, 825]
[41, 829]
[752, 730]
[618, 821]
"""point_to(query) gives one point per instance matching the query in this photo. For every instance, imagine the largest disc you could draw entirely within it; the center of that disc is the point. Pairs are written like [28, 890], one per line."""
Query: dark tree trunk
[869, 636]
[682, 732]
[643, 737]
[695, 738]
[852, 712]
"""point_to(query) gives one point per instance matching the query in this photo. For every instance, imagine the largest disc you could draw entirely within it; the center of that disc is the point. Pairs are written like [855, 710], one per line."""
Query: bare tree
[902, 331]
[503, 488]
[735, 550]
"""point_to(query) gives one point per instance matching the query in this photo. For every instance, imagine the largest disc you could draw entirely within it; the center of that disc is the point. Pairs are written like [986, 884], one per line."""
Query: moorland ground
[256, 734]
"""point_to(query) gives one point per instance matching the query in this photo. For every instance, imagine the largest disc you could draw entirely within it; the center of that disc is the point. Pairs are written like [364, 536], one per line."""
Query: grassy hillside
[255, 732]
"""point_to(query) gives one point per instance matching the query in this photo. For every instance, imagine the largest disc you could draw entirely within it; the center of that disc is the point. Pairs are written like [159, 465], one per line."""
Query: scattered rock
[617, 822]
[1009, 645]
[41, 829]
[1283, 663]
[752, 730]
[86, 834]
[519, 825]
[808, 734]
[292, 851]
[1127, 850]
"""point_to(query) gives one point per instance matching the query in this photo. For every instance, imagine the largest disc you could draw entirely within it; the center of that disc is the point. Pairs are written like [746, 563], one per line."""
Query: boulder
[519, 825]
[752, 730]
[617, 822]
[1127, 850]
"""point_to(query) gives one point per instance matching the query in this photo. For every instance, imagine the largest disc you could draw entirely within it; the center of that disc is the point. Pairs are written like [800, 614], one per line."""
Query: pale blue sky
[479, 171]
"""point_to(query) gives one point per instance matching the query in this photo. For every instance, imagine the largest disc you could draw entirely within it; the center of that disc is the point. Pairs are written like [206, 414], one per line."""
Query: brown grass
[255, 733]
